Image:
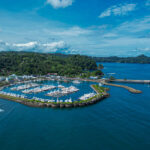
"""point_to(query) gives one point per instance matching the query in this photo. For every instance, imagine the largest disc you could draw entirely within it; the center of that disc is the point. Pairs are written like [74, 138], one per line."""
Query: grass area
[99, 89]
[13, 98]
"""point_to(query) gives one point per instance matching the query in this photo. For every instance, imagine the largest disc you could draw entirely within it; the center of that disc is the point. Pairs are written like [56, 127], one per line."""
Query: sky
[87, 27]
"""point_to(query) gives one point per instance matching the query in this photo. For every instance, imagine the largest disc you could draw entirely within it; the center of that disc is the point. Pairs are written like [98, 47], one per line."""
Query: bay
[120, 122]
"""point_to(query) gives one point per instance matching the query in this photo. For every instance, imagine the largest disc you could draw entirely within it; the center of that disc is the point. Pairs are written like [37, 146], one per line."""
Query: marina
[63, 91]
[49, 91]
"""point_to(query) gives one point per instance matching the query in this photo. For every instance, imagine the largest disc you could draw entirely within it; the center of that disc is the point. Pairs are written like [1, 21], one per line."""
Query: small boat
[76, 82]
[100, 84]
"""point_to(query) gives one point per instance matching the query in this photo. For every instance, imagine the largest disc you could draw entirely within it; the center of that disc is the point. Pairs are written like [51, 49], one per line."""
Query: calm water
[121, 122]
[84, 88]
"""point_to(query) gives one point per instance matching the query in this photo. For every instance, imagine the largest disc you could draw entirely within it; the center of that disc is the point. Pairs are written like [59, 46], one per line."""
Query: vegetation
[12, 98]
[100, 66]
[29, 63]
[100, 89]
[111, 78]
[142, 59]
[96, 73]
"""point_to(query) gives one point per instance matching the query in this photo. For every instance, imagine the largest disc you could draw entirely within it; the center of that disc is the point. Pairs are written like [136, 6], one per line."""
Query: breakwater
[56, 105]
[107, 82]
[132, 90]
[131, 81]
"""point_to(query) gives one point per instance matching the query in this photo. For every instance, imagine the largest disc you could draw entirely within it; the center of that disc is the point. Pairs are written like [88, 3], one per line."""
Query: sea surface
[120, 122]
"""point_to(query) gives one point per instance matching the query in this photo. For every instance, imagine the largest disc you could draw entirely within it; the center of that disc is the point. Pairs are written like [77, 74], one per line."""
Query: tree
[100, 66]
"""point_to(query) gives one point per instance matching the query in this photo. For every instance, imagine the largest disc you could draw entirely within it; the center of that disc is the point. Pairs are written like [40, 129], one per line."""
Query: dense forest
[142, 59]
[29, 63]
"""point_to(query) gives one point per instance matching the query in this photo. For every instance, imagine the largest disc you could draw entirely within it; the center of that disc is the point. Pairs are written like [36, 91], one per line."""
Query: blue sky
[89, 27]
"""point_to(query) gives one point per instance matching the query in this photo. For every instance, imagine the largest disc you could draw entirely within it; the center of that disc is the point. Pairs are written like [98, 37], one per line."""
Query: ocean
[120, 122]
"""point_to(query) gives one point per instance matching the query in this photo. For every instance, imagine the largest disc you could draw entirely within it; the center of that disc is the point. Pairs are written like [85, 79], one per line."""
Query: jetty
[107, 82]
[130, 89]
[131, 81]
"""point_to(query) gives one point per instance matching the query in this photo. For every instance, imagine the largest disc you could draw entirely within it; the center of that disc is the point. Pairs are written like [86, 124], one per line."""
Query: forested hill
[27, 63]
[142, 59]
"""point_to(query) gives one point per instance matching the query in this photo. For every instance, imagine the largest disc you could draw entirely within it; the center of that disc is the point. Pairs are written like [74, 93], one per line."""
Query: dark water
[121, 122]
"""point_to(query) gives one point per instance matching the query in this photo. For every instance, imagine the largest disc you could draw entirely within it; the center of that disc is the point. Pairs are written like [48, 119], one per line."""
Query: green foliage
[112, 78]
[94, 73]
[99, 89]
[29, 63]
[100, 66]
[142, 59]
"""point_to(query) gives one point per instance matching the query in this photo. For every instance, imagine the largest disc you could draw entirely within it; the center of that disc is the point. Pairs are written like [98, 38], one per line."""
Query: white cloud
[73, 31]
[3, 46]
[138, 25]
[147, 49]
[26, 45]
[147, 3]
[60, 3]
[110, 35]
[53, 47]
[118, 10]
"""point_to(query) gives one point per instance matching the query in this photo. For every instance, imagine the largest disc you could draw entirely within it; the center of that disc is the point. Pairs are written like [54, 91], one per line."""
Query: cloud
[147, 49]
[60, 3]
[147, 3]
[25, 46]
[110, 35]
[73, 31]
[53, 47]
[120, 10]
[135, 26]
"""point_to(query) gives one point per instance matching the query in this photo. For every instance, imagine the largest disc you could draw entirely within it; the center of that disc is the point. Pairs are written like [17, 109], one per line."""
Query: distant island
[141, 59]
